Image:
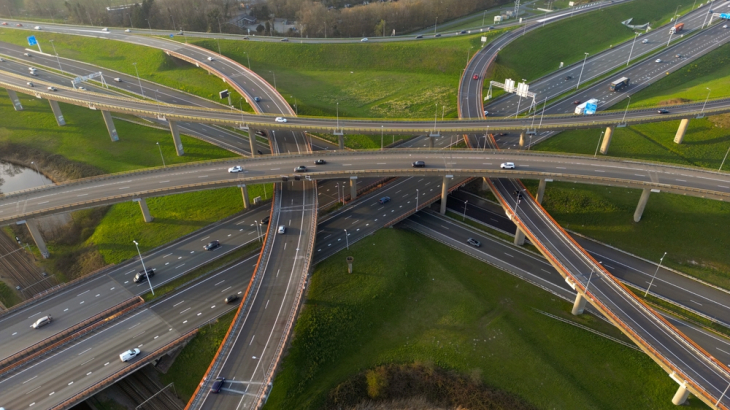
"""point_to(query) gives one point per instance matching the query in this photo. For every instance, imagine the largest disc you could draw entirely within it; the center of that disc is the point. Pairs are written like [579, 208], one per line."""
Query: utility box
[497, 19]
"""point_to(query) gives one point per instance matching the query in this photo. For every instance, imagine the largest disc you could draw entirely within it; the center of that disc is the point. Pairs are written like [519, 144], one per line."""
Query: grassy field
[404, 79]
[363, 141]
[153, 64]
[191, 364]
[423, 302]
[8, 296]
[540, 52]
[691, 82]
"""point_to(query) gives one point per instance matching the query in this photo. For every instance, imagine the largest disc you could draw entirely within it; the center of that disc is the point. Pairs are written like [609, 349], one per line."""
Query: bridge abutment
[57, 113]
[16, 101]
[353, 188]
[681, 131]
[109, 121]
[579, 305]
[681, 395]
[145, 210]
[606, 140]
[35, 233]
[642, 204]
[175, 130]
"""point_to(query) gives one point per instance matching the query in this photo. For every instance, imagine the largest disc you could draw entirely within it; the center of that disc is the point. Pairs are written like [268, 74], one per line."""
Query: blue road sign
[32, 41]
[172, 35]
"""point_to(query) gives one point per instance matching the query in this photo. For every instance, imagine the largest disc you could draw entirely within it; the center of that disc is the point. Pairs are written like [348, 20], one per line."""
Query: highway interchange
[404, 165]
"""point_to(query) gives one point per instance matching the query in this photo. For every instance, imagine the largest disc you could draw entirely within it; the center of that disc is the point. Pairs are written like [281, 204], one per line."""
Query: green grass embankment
[153, 64]
[411, 79]
[363, 141]
[541, 51]
[413, 300]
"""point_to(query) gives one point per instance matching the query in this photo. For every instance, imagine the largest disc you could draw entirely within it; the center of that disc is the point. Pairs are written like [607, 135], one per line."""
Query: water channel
[16, 177]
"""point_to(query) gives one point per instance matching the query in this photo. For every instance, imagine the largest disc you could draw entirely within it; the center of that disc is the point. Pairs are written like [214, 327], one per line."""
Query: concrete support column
[36, 234]
[353, 188]
[252, 142]
[642, 204]
[680, 396]
[522, 139]
[579, 305]
[681, 130]
[110, 125]
[244, 193]
[16, 101]
[145, 211]
[541, 190]
[176, 138]
[57, 112]
[606, 140]
[444, 193]
[431, 142]
[341, 139]
[519, 237]
[485, 185]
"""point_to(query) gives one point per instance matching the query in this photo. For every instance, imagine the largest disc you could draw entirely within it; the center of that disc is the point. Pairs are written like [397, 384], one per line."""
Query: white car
[210, 58]
[235, 169]
[127, 31]
[30, 84]
[282, 229]
[38, 28]
[129, 355]
[486, 113]
[117, 79]
[364, 40]
[658, 60]
[507, 165]
[81, 88]
[105, 29]
[280, 119]
[644, 41]
[52, 88]
[724, 26]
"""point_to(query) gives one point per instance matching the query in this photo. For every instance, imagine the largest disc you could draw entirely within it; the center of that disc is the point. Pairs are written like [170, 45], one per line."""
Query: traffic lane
[76, 368]
[450, 161]
[66, 309]
[670, 345]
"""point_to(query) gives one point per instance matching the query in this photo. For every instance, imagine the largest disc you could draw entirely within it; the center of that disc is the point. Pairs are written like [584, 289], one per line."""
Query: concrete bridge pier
[36, 235]
[445, 193]
[252, 142]
[681, 130]
[341, 140]
[522, 139]
[176, 137]
[145, 210]
[353, 188]
[642, 204]
[244, 193]
[110, 125]
[485, 185]
[519, 237]
[16, 101]
[579, 305]
[431, 141]
[541, 190]
[681, 395]
[606, 140]
[57, 112]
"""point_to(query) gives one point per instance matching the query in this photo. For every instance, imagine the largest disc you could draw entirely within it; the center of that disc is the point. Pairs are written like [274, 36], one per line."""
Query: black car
[212, 245]
[569, 77]
[231, 299]
[320, 162]
[419, 164]
[419, 36]
[438, 35]
[502, 134]
[257, 99]
[463, 31]
[265, 221]
[261, 134]
[473, 242]
[217, 385]
[141, 275]
[662, 111]
[384, 199]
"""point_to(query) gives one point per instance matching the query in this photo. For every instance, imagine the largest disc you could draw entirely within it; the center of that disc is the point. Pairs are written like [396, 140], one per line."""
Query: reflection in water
[15, 178]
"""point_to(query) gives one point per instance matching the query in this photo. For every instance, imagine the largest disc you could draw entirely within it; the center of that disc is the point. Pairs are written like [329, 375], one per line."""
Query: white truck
[588, 107]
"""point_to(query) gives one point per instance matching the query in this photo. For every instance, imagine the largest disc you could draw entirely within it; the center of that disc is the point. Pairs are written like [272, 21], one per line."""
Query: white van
[282, 229]
[42, 322]
[129, 355]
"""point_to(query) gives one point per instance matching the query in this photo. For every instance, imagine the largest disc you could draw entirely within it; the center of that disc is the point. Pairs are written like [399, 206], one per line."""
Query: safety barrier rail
[124, 372]
[225, 347]
[53, 342]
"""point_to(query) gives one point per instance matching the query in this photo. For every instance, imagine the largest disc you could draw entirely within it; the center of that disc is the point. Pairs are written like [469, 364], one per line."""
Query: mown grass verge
[153, 64]
[364, 141]
[191, 364]
[8, 296]
[413, 300]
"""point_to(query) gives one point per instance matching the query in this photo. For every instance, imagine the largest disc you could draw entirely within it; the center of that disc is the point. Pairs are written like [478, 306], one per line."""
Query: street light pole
[636, 35]
[57, 59]
[381, 137]
[464, 215]
[338, 115]
[723, 160]
[347, 241]
[138, 80]
[623, 120]
[144, 268]
[416, 199]
[705, 104]
[163, 158]
[671, 32]
[598, 145]
[581, 70]
[655, 272]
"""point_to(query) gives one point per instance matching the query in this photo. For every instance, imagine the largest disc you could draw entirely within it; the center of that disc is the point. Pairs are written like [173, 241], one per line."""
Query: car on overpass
[320, 162]
[473, 242]
[475, 77]
[280, 119]
[217, 385]
[419, 164]
[300, 168]
[507, 165]
[42, 322]
[129, 355]
[235, 169]
[384, 199]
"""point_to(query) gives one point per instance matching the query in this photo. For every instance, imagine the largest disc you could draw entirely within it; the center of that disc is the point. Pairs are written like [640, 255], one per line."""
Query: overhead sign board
[32, 41]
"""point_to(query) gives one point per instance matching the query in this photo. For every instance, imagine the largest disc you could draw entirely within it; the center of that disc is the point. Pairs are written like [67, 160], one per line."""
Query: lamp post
[671, 32]
[636, 35]
[595, 154]
[626, 110]
[337, 187]
[485, 138]
[39, 172]
[148, 24]
[347, 241]
[593, 268]
[436, 25]
[581, 70]
[274, 78]
[143, 267]
[655, 272]
[248, 58]
[381, 137]
[57, 59]
[723, 160]
[416, 199]
[163, 158]
[138, 80]
[463, 217]
[705, 104]
[338, 115]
